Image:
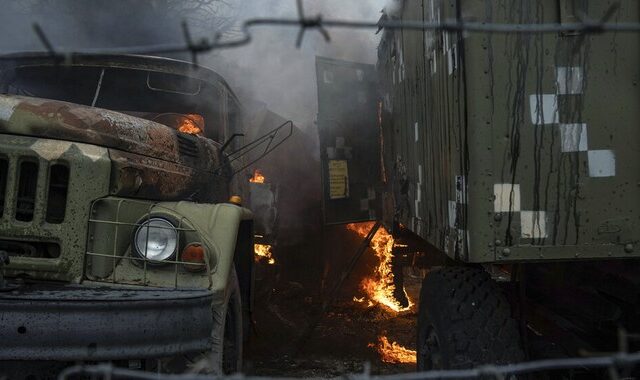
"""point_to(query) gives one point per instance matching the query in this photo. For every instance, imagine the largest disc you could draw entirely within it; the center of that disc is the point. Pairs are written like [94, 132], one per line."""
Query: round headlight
[156, 239]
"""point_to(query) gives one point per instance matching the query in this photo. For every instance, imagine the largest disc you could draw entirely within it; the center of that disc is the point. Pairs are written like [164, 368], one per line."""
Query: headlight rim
[140, 225]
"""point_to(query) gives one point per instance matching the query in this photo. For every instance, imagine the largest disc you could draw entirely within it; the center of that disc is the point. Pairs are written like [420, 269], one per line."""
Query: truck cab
[117, 236]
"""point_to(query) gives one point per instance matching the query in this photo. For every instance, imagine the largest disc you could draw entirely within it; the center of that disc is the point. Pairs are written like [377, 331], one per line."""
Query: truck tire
[464, 320]
[233, 329]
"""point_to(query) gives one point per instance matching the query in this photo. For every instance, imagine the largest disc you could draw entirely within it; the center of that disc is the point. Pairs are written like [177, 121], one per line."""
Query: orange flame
[258, 177]
[263, 252]
[379, 286]
[189, 125]
[393, 352]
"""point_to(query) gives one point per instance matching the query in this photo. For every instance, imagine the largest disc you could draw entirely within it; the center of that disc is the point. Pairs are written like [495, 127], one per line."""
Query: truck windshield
[183, 103]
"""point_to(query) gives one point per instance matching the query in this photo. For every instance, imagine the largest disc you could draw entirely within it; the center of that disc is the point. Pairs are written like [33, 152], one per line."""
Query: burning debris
[258, 177]
[393, 352]
[379, 287]
[263, 253]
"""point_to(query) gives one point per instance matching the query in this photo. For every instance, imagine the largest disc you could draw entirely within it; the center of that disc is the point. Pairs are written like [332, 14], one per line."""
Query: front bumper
[81, 322]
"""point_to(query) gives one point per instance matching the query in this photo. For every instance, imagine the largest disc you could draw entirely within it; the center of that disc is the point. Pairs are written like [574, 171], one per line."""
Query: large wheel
[464, 320]
[225, 355]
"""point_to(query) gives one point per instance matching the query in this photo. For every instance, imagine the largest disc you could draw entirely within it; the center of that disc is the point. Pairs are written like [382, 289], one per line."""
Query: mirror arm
[226, 143]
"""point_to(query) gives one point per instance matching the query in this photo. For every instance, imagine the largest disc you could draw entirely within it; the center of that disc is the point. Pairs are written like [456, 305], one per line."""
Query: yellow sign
[338, 179]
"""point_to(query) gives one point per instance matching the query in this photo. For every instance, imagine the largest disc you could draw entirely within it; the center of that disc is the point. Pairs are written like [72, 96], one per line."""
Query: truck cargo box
[514, 147]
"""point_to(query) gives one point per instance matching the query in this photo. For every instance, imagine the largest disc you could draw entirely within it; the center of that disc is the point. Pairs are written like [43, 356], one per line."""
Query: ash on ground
[344, 340]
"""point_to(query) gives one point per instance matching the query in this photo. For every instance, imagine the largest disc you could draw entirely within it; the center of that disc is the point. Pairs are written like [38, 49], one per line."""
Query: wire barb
[189, 41]
[308, 23]
[43, 39]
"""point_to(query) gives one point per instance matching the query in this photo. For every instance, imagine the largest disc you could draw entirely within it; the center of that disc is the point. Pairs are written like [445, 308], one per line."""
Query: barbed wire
[584, 25]
[613, 364]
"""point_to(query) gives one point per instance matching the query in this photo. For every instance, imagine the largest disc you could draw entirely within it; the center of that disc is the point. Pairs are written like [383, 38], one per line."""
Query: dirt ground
[341, 343]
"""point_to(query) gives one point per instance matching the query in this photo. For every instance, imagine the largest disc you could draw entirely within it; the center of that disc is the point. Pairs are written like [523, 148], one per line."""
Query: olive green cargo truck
[117, 239]
[508, 166]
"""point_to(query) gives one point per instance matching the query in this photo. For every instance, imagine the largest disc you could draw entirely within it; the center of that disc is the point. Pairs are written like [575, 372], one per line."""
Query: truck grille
[4, 170]
[24, 192]
[27, 186]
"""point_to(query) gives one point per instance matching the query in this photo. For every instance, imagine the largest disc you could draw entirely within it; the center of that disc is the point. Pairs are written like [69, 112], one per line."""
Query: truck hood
[72, 122]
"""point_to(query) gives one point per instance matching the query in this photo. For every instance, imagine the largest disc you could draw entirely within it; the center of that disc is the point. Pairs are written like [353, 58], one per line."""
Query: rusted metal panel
[503, 147]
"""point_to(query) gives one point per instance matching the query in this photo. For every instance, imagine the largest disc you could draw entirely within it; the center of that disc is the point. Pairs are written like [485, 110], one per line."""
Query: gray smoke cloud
[270, 70]
[273, 71]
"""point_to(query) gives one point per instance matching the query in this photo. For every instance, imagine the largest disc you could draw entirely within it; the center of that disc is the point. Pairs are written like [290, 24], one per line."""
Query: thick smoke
[273, 71]
[269, 70]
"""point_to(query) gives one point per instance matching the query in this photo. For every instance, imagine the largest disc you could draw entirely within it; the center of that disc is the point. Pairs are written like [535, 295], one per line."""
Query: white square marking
[504, 201]
[452, 214]
[602, 163]
[328, 77]
[364, 204]
[544, 109]
[574, 137]
[533, 224]
[569, 80]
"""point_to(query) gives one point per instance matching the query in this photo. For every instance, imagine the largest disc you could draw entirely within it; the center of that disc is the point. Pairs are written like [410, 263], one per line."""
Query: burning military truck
[122, 231]
[500, 164]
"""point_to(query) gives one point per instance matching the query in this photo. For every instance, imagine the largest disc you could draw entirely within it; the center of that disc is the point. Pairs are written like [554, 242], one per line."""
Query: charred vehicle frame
[118, 235]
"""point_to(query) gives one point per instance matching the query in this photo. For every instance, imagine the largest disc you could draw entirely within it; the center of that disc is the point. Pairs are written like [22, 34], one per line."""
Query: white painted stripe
[7, 107]
[419, 196]
[602, 163]
[415, 127]
[569, 80]
[417, 208]
[574, 137]
[544, 109]
[503, 200]
[533, 224]
[420, 173]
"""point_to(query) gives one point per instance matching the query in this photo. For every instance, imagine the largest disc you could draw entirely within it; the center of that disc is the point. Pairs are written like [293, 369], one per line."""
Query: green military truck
[118, 238]
[513, 160]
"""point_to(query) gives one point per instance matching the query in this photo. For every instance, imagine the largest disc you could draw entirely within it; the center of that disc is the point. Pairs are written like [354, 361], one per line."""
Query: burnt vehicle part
[349, 141]
[149, 158]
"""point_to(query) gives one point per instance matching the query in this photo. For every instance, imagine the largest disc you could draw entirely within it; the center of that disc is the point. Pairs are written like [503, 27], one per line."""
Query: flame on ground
[258, 177]
[379, 286]
[263, 252]
[393, 352]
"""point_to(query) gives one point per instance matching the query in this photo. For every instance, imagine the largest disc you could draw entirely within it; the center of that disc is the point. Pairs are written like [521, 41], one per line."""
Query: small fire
[393, 352]
[263, 252]
[379, 286]
[189, 124]
[258, 177]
